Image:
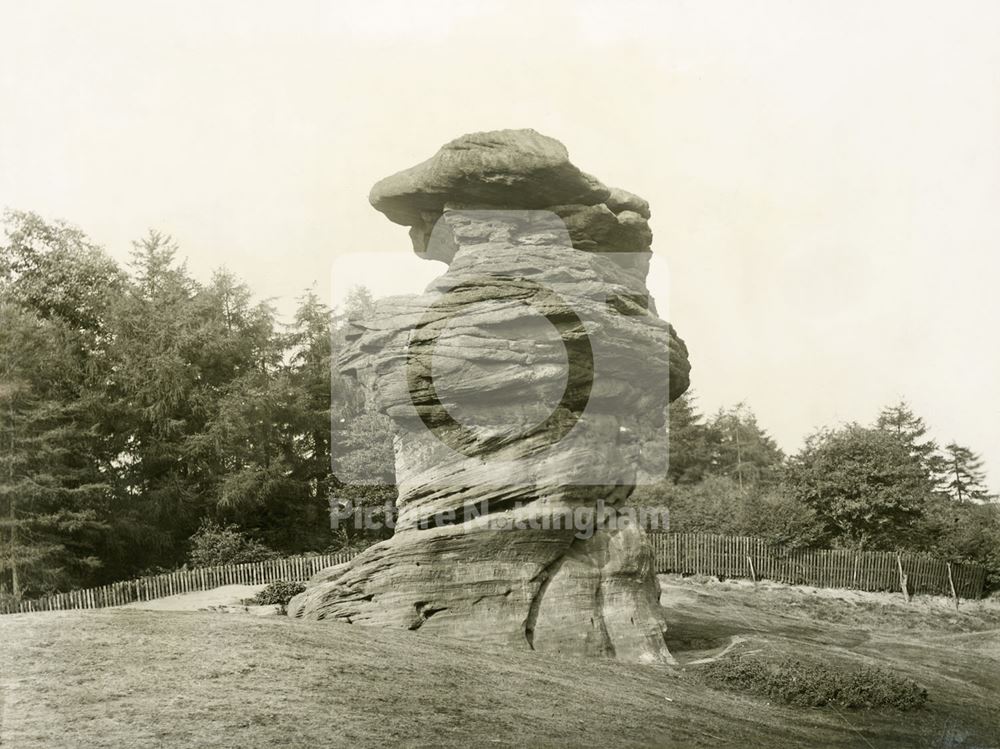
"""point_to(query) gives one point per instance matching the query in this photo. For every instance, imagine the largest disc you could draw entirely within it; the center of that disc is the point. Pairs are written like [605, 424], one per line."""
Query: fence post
[902, 577]
[951, 584]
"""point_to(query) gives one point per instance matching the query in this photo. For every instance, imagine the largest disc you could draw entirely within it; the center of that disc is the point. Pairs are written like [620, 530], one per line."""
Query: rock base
[546, 590]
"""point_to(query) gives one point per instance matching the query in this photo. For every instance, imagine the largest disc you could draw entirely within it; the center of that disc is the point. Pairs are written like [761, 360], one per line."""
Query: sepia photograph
[499, 374]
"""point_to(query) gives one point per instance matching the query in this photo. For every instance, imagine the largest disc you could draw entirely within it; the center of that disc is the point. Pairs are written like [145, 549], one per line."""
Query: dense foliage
[886, 486]
[214, 545]
[862, 484]
[138, 403]
[278, 593]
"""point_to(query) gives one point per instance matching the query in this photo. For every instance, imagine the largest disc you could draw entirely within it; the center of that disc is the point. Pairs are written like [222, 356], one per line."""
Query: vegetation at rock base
[278, 593]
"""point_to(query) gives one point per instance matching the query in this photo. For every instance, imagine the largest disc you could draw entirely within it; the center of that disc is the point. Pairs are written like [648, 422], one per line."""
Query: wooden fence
[753, 558]
[686, 553]
[179, 581]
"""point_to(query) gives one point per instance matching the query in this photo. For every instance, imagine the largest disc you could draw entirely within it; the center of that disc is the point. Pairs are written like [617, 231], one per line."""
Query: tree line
[140, 405]
[148, 420]
[882, 486]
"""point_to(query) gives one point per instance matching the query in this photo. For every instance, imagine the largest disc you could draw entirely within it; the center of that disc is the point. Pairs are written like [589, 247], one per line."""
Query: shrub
[871, 687]
[278, 593]
[813, 684]
[213, 545]
[964, 532]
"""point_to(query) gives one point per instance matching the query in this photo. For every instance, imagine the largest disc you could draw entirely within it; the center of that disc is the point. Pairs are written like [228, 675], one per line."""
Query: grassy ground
[126, 677]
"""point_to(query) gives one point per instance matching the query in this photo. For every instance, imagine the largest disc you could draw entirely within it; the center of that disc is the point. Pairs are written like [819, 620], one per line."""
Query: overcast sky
[824, 177]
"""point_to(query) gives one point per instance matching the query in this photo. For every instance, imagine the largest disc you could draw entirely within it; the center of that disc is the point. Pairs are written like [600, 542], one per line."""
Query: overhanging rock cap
[502, 168]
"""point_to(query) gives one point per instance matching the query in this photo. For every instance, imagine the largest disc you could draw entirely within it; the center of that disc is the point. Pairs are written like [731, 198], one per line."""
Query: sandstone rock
[515, 168]
[599, 229]
[520, 386]
[622, 200]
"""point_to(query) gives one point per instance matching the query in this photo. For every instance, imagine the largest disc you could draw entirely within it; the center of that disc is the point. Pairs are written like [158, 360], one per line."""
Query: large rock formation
[522, 386]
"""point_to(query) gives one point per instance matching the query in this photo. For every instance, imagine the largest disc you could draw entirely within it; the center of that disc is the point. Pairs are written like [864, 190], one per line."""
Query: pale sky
[824, 176]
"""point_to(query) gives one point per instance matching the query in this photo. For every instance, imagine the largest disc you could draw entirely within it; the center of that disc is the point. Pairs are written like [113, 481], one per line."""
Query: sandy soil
[224, 598]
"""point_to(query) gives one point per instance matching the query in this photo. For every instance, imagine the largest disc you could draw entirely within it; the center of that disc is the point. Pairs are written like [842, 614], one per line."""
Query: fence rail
[179, 581]
[874, 571]
[686, 553]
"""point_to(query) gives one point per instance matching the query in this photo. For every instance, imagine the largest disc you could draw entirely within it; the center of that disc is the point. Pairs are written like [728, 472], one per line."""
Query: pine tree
[155, 396]
[900, 421]
[57, 287]
[690, 442]
[742, 449]
[265, 450]
[51, 497]
[311, 373]
[966, 481]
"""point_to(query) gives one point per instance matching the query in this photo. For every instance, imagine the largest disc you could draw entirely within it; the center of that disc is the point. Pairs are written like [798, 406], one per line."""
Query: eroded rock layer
[521, 385]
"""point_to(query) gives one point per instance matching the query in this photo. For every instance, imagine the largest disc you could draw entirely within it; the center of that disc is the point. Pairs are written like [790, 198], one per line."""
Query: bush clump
[278, 593]
[811, 684]
[216, 545]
